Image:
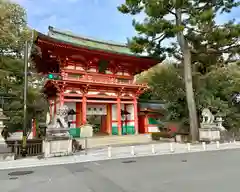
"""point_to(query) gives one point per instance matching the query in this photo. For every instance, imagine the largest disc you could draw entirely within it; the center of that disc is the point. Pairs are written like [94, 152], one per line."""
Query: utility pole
[24, 137]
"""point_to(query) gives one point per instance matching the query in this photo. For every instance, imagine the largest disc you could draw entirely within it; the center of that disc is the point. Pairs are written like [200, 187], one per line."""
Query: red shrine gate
[94, 78]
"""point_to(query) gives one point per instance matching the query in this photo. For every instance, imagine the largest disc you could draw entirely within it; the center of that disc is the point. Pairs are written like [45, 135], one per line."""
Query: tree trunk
[188, 79]
[190, 95]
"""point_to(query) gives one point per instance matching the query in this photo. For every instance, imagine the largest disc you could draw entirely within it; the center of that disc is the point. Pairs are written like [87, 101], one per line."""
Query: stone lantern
[2, 126]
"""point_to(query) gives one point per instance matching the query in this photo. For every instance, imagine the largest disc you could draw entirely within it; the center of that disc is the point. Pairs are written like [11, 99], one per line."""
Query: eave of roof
[54, 31]
[41, 36]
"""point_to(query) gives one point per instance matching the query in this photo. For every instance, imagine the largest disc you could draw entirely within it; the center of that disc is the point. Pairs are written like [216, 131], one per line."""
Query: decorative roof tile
[88, 42]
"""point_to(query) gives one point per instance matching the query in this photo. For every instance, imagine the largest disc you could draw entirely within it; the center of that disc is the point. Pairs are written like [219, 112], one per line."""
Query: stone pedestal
[209, 134]
[1, 138]
[182, 138]
[57, 147]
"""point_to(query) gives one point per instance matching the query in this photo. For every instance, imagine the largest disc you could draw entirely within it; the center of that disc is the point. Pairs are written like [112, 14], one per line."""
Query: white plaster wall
[114, 111]
[114, 124]
[91, 111]
[72, 105]
[130, 109]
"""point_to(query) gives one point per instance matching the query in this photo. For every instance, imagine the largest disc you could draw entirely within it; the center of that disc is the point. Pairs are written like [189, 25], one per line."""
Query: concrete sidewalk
[117, 152]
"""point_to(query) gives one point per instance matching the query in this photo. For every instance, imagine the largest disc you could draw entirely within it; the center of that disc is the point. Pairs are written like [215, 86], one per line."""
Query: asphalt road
[194, 172]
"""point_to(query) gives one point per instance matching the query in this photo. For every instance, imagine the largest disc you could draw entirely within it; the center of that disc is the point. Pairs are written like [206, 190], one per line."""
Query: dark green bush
[157, 135]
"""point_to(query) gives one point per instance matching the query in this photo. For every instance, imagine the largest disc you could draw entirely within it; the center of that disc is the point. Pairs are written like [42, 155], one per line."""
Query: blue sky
[93, 18]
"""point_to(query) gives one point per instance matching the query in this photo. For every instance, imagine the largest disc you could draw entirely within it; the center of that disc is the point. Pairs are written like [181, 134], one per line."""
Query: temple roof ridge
[54, 32]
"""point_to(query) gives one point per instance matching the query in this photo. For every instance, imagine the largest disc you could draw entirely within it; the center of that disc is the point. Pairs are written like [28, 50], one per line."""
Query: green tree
[13, 34]
[216, 90]
[13, 28]
[183, 20]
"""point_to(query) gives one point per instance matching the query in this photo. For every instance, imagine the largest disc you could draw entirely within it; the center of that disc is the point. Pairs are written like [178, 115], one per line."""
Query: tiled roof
[69, 37]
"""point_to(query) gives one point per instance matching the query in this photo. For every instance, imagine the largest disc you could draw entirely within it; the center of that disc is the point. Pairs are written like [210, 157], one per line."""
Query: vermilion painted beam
[119, 117]
[102, 84]
[101, 101]
[128, 120]
[72, 100]
[124, 58]
[72, 95]
[81, 72]
[95, 101]
[78, 114]
[84, 110]
[135, 115]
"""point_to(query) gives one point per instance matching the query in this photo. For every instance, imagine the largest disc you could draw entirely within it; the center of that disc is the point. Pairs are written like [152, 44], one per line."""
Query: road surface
[194, 172]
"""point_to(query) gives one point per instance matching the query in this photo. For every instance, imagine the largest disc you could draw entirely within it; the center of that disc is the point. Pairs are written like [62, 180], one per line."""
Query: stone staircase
[103, 141]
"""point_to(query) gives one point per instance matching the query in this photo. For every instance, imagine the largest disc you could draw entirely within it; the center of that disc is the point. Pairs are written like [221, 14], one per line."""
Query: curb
[95, 157]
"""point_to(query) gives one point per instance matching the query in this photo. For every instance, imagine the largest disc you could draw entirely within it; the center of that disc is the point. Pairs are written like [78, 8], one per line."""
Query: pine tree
[186, 21]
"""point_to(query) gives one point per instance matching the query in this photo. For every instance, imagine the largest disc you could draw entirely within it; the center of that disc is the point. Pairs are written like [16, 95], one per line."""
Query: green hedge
[157, 135]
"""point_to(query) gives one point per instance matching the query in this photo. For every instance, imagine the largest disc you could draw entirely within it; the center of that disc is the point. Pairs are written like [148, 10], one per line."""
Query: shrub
[157, 135]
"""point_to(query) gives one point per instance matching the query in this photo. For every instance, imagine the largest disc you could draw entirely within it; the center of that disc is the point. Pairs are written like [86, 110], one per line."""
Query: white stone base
[181, 138]
[53, 148]
[209, 134]
[2, 141]
[7, 157]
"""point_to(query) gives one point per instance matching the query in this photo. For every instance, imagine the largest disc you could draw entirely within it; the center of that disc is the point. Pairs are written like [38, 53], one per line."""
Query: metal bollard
[218, 145]
[171, 147]
[132, 150]
[188, 147]
[204, 146]
[153, 149]
[109, 152]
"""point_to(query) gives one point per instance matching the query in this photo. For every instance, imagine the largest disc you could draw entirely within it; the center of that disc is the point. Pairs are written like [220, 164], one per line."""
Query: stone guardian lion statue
[207, 116]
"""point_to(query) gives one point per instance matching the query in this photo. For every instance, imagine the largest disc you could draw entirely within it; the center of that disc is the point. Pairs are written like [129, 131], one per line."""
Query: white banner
[96, 110]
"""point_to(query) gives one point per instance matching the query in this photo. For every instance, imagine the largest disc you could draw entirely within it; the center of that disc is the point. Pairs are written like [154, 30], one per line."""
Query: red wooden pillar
[146, 123]
[55, 108]
[109, 119]
[135, 107]
[78, 114]
[84, 110]
[119, 117]
[61, 97]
